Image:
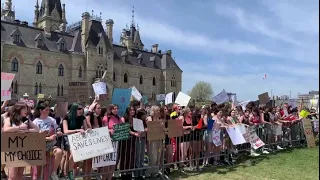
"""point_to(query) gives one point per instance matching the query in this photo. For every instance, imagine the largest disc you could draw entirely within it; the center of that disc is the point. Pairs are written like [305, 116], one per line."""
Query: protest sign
[138, 125]
[255, 141]
[61, 109]
[315, 123]
[221, 98]
[155, 130]
[23, 149]
[264, 98]
[161, 97]
[169, 98]
[121, 97]
[6, 81]
[93, 143]
[106, 159]
[307, 127]
[135, 93]
[121, 132]
[216, 137]
[78, 92]
[175, 128]
[235, 135]
[182, 99]
[100, 89]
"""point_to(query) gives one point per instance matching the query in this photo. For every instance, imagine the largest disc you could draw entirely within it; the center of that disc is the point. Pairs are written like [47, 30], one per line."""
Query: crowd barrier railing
[195, 150]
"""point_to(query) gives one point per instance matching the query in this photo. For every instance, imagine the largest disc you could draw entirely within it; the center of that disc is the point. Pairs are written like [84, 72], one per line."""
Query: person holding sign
[48, 126]
[72, 123]
[17, 122]
[110, 120]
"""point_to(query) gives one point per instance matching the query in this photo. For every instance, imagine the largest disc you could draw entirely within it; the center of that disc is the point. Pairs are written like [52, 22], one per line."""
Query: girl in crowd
[206, 117]
[48, 126]
[196, 144]
[256, 117]
[154, 147]
[127, 147]
[165, 115]
[186, 118]
[218, 128]
[93, 120]
[73, 123]
[16, 121]
[109, 120]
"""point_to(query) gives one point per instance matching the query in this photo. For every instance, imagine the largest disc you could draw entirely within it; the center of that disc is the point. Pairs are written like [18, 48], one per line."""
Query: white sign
[221, 98]
[315, 125]
[135, 93]
[161, 97]
[216, 137]
[235, 135]
[255, 141]
[138, 125]
[6, 81]
[169, 98]
[182, 99]
[106, 159]
[99, 88]
[243, 104]
[94, 143]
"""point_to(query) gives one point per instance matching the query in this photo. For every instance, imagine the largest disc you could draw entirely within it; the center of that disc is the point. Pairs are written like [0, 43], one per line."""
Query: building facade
[48, 55]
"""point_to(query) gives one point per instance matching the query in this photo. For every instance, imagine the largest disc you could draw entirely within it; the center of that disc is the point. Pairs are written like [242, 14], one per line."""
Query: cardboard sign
[264, 98]
[6, 81]
[23, 149]
[121, 132]
[155, 130]
[175, 128]
[62, 109]
[307, 127]
[255, 141]
[94, 143]
[78, 92]
[40, 96]
[107, 159]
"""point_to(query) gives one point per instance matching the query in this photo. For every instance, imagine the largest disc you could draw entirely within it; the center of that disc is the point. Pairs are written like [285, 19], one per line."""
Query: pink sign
[6, 81]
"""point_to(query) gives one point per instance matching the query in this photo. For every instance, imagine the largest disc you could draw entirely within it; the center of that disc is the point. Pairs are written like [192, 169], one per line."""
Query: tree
[201, 91]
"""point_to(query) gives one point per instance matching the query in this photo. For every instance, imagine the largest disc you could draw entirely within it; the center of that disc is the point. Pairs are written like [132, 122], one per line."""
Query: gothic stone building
[48, 55]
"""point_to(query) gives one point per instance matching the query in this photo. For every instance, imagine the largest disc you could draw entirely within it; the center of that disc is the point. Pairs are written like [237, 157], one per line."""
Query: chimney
[109, 24]
[84, 29]
[154, 48]
[169, 52]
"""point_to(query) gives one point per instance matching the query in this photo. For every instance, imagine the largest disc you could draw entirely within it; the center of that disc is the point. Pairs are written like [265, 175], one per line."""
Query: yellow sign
[40, 96]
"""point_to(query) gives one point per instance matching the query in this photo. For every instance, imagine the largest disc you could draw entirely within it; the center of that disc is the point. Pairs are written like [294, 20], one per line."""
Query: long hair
[15, 113]
[109, 111]
[72, 116]
[91, 115]
[153, 109]
[127, 113]
[41, 105]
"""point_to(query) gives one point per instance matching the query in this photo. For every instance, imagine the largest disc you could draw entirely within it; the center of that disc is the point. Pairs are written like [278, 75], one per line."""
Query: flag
[265, 76]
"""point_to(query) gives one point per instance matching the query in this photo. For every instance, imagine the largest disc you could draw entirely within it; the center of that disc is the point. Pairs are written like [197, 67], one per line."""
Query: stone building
[48, 55]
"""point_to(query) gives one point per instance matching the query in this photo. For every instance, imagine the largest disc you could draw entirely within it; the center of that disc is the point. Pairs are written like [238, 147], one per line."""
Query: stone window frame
[39, 67]
[14, 65]
[140, 79]
[60, 70]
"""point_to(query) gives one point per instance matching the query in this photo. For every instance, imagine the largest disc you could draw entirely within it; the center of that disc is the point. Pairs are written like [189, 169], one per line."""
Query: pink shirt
[111, 122]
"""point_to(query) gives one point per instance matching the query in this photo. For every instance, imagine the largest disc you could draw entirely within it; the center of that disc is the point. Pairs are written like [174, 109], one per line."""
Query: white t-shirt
[48, 124]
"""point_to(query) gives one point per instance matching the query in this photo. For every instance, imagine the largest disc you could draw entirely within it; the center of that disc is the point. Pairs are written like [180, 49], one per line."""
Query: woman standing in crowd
[154, 147]
[93, 120]
[206, 117]
[110, 120]
[218, 129]
[196, 144]
[73, 123]
[186, 118]
[165, 115]
[48, 126]
[16, 121]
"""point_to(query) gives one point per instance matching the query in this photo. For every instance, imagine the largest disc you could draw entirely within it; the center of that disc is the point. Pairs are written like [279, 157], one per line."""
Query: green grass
[293, 164]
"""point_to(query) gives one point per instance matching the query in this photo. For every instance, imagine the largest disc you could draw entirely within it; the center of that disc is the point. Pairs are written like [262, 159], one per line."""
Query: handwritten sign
[216, 137]
[255, 141]
[155, 130]
[182, 99]
[78, 92]
[121, 97]
[307, 127]
[235, 135]
[20, 150]
[6, 81]
[99, 88]
[94, 143]
[175, 128]
[107, 159]
[121, 132]
[221, 98]
[138, 125]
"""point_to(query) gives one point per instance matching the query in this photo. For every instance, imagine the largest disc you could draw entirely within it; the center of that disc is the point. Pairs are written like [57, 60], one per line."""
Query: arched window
[39, 68]
[58, 90]
[61, 93]
[173, 81]
[80, 72]
[40, 88]
[14, 65]
[141, 79]
[114, 76]
[60, 70]
[125, 78]
[153, 81]
[36, 89]
[99, 71]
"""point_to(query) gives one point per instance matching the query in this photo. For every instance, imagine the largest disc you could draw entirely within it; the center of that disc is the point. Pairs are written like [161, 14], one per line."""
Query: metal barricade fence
[139, 157]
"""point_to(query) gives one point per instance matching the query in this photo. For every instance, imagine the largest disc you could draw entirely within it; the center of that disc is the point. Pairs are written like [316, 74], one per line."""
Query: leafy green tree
[201, 91]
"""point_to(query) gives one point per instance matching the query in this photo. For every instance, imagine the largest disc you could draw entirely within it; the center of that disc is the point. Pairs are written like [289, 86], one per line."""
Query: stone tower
[51, 15]
[7, 13]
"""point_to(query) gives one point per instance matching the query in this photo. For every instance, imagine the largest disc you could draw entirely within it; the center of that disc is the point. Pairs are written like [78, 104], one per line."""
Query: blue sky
[230, 44]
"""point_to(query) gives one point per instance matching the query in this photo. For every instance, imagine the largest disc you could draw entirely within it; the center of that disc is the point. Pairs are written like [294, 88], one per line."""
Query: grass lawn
[293, 164]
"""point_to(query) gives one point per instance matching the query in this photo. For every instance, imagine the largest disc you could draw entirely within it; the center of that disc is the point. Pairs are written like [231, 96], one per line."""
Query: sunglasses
[79, 108]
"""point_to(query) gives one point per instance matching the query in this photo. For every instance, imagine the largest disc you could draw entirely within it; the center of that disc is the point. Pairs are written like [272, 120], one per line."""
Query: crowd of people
[137, 157]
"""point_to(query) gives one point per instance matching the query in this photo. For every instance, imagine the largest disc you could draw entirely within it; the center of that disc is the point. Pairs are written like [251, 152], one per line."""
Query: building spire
[132, 22]
[8, 4]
